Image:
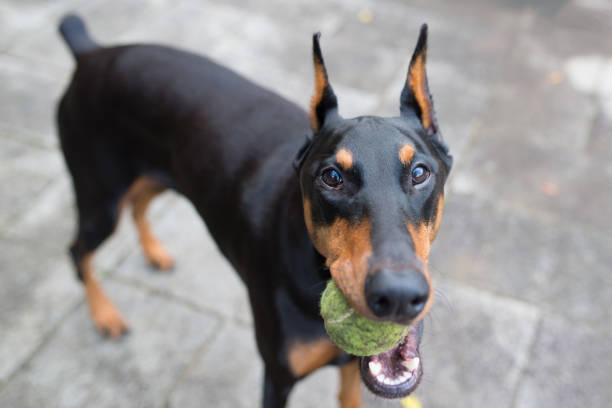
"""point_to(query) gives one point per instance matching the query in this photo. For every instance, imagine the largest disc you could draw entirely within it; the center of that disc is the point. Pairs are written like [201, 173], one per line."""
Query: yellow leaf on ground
[411, 402]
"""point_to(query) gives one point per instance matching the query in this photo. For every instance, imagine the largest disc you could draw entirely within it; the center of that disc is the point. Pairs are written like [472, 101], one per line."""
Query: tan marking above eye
[344, 159]
[405, 154]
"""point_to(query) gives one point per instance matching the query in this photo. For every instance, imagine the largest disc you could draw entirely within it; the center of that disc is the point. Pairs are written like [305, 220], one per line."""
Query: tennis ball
[353, 333]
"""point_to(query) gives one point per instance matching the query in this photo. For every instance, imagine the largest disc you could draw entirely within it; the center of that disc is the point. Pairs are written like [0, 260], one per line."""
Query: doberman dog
[290, 199]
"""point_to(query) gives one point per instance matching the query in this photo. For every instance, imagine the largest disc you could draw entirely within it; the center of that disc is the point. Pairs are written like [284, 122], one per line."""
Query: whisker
[442, 298]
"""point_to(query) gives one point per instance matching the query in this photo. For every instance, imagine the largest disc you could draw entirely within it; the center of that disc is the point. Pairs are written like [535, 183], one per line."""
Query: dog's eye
[419, 174]
[331, 177]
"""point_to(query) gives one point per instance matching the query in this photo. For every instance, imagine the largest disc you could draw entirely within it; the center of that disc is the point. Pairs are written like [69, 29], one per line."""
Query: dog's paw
[158, 257]
[108, 321]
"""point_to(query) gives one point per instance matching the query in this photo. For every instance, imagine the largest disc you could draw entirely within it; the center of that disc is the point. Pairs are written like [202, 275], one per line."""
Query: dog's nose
[396, 295]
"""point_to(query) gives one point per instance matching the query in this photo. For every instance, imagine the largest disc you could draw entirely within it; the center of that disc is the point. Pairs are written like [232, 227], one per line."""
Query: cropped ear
[415, 96]
[324, 102]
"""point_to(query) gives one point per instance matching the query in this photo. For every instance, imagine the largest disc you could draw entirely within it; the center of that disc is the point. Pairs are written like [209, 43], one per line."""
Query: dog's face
[373, 193]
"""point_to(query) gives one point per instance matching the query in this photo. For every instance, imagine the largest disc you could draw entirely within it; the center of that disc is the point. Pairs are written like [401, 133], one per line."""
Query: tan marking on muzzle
[425, 233]
[421, 239]
[423, 236]
[344, 159]
[346, 247]
[406, 153]
[422, 243]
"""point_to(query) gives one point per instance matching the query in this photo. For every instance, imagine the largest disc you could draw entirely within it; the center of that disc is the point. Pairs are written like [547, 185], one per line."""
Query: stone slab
[77, 367]
[533, 149]
[560, 268]
[277, 55]
[53, 216]
[19, 19]
[38, 289]
[24, 174]
[104, 21]
[201, 274]
[461, 352]
[49, 220]
[569, 367]
[474, 348]
[230, 374]
[27, 100]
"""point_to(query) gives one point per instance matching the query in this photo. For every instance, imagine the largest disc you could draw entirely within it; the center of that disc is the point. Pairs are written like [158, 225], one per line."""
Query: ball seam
[342, 318]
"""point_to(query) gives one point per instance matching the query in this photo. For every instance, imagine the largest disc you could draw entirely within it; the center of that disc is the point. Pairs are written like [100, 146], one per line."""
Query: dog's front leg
[350, 385]
[276, 388]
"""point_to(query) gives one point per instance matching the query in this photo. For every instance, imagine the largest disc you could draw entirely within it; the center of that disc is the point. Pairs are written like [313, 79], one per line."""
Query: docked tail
[73, 29]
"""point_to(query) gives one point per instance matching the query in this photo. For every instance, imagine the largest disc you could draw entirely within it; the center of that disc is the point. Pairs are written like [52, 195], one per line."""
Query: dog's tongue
[394, 373]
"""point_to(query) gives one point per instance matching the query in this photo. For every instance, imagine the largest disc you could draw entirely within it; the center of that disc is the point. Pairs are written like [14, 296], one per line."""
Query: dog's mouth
[395, 373]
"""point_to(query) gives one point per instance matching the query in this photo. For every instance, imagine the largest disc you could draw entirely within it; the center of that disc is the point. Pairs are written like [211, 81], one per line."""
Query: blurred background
[522, 265]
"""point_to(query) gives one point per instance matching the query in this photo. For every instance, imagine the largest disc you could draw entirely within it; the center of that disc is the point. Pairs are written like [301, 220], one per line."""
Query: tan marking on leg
[346, 247]
[104, 314]
[405, 154]
[142, 192]
[344, 159]
[350, 390]
[304, 358]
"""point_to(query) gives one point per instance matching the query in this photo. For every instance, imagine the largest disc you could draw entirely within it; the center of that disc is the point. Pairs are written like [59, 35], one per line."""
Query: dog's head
[373, 193]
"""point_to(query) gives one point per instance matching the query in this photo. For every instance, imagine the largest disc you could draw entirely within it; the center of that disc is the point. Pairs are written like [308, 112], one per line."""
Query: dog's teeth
[381, 378]
[389, 381]
[406, 376]
[411, 364]
[375, 367]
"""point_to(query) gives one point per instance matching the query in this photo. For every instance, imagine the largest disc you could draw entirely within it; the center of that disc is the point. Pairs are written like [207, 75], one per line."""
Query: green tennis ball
[352, 332]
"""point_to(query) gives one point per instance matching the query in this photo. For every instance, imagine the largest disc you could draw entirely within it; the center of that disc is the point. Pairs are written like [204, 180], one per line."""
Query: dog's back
[172, 98]
[138, 119]
[144, 109]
